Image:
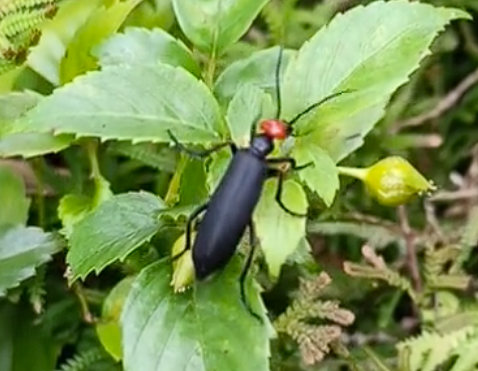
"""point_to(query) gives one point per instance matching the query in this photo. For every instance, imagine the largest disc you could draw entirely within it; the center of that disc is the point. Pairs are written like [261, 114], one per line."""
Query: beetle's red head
[275, 129]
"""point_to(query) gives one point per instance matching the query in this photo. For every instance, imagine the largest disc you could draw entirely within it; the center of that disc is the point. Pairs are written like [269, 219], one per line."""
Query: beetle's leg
[200, 154]
[280, 184]
[281, 177]
[189, 226]
[245, 270]
[290, 161]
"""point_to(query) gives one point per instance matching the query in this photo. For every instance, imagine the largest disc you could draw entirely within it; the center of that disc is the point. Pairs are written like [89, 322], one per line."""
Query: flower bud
[183, 267]
[392, 181]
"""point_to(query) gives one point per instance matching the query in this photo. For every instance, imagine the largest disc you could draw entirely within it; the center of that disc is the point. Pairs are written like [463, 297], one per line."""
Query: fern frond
[12, 6]
[429, 350]
[465, 353]
[376, 235]
[19, 28]
[378, 270]
[15, 23]
[271, 14]
[276, 15]
[457, 321]
[314, 341]
[36, 290]
[469, 239]
[83, 361]
[434, 269]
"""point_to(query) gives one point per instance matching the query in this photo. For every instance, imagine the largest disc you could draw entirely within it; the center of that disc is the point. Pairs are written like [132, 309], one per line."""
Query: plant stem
[411, 258]
[40, 196]
[85, 310]
[175, 181]
[91, 149]
[210, 71]
[353, 172]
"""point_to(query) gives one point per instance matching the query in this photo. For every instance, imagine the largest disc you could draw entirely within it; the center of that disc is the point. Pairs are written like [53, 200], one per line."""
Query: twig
[471, 45]
[431, 218]
[85, 310]
[461, 194]
[445, 104]
[411, 257]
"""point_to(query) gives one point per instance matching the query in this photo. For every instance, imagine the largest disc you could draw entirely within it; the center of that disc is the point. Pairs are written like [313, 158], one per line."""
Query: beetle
[229, 211]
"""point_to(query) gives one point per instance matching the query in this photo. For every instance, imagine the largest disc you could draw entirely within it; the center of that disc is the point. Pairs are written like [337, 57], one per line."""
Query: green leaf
[278, 231]
[102, 23]
[213, 25]
[151, 154]
[75, 207]
[257, 70]
[111, 232]
[12, 106]
[218, 165]
[108, 329]
[374, 60]
[71, 210]
[32, 144]
[8, 79]
[22, 249]
[244, 109]
[205, 328]
[56, 35]
[132, 103]
[15, 205]
[322, 177]
[192, 188]
[146, 47]
[23, 345]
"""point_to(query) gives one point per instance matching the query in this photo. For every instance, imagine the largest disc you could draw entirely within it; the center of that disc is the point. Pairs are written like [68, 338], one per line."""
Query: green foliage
[94, 244]
[46, 57]
[278, 231]
[86, 118]
[88, 106]
[20, 28]
[25, 144]
[185, 339]
[100, 24]
[19, 332]
[12, 195]
[212, 26]
[83, 361]
[140, 46]
[21, 250]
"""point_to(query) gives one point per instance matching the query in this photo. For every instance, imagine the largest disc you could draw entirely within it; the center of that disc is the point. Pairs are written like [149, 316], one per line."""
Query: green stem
[175, 181]
[211, 69]
[91, 149]
[37, 164]
[353, 172]
[85, 310]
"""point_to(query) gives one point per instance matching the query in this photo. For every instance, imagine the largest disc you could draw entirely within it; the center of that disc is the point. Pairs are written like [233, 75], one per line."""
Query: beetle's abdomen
[229, 212]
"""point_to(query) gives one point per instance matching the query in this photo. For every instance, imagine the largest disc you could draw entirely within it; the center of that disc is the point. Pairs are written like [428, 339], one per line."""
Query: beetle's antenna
[315, 105]
[278, 95]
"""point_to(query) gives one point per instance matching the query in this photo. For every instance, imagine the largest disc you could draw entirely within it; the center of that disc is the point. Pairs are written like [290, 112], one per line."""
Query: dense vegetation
[93, 197]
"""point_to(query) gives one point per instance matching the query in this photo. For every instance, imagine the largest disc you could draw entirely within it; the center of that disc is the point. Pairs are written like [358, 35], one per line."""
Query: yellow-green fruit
[394, 181]
[183, 267]
[108, 329]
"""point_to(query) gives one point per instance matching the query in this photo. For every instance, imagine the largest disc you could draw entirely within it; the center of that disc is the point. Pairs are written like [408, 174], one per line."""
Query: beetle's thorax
[261, 146]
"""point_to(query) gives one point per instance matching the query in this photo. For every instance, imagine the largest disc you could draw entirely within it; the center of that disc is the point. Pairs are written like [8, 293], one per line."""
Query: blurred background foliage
[431, 121]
